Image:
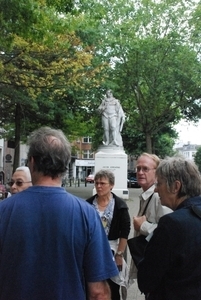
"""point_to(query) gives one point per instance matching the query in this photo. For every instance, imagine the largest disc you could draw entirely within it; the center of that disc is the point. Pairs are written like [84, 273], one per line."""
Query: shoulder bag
[138, 244]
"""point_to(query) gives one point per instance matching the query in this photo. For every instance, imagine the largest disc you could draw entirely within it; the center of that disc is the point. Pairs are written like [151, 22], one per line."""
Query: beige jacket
[154, 211]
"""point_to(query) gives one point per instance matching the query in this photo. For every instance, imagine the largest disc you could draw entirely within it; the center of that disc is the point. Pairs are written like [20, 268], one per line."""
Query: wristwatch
[119, 253]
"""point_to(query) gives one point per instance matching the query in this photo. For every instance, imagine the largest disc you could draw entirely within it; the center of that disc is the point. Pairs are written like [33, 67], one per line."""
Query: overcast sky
[189, 132]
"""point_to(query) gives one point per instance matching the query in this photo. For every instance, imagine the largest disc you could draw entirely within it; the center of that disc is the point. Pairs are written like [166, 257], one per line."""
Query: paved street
[133, 204]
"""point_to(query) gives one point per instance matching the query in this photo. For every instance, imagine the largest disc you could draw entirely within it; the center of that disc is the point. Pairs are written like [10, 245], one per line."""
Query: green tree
[195, 24]
[44, 83]
[159, 87]
[156, 70]
[163, 142]
[152, 65]
[30, 19]
[56, 66]
[197, 158]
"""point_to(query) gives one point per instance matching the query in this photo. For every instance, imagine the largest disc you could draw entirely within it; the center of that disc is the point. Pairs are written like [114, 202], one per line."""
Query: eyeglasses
[144, 169]
[18, 182]
[101, 183]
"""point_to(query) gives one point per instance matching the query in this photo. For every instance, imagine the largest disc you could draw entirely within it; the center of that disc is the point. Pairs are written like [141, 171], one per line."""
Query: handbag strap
[147, 205]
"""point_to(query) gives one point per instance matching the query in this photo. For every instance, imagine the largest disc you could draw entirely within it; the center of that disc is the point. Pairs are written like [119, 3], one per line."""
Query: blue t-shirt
[50, 243]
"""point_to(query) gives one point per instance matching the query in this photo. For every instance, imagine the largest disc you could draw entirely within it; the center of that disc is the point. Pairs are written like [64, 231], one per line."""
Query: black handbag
[137, 247]
[138, 244]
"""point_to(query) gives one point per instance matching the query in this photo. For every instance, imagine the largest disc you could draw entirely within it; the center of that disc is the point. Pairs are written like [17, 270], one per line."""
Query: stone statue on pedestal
[113, 118]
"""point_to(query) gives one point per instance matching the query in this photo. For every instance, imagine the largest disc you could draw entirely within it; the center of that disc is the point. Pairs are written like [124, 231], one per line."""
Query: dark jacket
[171, 268]
[120, 225]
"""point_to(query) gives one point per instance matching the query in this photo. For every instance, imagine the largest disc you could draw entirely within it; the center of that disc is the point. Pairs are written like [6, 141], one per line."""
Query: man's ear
[31, 164]
[176, 187]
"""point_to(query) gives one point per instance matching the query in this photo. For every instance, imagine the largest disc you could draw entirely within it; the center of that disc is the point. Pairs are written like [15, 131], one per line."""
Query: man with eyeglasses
[150, 208]
[21, 180]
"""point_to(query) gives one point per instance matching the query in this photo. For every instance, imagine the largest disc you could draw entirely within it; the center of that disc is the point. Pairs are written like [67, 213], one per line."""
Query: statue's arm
[121, 117]
[102, 106]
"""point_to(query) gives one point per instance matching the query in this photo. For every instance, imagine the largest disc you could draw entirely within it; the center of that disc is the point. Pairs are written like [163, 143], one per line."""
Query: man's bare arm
[99, 290]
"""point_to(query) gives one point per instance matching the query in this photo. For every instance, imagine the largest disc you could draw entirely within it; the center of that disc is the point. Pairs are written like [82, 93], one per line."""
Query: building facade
[187, 150]
[85, 158]
[82, 160]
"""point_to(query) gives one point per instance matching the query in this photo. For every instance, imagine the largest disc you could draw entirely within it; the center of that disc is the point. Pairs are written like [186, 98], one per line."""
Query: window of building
[87, 154]
[87, 139]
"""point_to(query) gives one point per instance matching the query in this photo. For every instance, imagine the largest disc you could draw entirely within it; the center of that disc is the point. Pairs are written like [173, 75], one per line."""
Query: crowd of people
[56, 246]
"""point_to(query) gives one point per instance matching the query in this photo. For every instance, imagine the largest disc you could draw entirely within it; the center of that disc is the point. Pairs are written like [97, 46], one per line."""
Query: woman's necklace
[103, 205]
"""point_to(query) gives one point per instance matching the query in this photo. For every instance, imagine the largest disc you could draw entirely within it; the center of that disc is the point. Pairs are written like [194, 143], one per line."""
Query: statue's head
[109, 93]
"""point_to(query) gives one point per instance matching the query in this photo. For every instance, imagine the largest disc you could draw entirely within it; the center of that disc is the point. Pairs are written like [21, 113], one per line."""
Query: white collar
[146, 194]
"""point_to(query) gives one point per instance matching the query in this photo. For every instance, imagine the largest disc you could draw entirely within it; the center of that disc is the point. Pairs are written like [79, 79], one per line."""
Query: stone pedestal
[115, 159]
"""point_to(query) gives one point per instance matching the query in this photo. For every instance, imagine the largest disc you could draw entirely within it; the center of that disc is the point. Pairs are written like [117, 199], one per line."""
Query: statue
[113, 118]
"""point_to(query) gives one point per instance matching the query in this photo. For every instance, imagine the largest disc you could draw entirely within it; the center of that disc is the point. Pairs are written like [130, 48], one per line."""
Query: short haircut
[51, 151]
[105, 174]
[178, 168]
[154, 157]
[26, 171]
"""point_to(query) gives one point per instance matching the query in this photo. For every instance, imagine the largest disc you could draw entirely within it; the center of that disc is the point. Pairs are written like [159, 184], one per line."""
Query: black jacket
[120, 225]
[171, 267]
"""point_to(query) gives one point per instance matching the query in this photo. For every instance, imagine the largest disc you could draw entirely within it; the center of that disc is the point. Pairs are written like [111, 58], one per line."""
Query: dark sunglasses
[18, 182]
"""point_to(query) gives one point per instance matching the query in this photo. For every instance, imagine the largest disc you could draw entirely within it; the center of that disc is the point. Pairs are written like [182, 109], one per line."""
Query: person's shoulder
[90, 199]
[175, 219]
[7, 202]
[82, 203]
[119, 201]
[156, 197]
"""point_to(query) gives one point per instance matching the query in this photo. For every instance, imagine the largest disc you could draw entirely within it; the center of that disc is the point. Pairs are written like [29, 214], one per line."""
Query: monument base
[114, 159]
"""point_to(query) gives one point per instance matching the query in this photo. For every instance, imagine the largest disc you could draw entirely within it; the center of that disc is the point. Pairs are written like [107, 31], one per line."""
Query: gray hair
[105, 174]
[51, 151]
[26, 171]
[178, 168]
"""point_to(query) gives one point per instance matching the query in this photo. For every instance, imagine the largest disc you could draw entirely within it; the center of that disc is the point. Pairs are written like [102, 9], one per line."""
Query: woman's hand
[119, 262]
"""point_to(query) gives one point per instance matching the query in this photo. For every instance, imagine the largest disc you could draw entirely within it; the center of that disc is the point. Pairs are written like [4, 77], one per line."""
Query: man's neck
[40, 179]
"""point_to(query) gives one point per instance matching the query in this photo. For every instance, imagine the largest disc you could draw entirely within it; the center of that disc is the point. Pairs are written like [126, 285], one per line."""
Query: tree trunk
[16, 161]
[148, 143]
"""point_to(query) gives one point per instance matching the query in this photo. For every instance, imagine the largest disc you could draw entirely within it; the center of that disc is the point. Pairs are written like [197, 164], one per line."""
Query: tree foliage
[162, 142]
[156, 70]
[43, 83]
[160, 88]
[197, 158]
[57, 59]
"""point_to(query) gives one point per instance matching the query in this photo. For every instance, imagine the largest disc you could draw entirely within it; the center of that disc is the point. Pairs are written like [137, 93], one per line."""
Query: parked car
[90, 178]
[132, 181]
